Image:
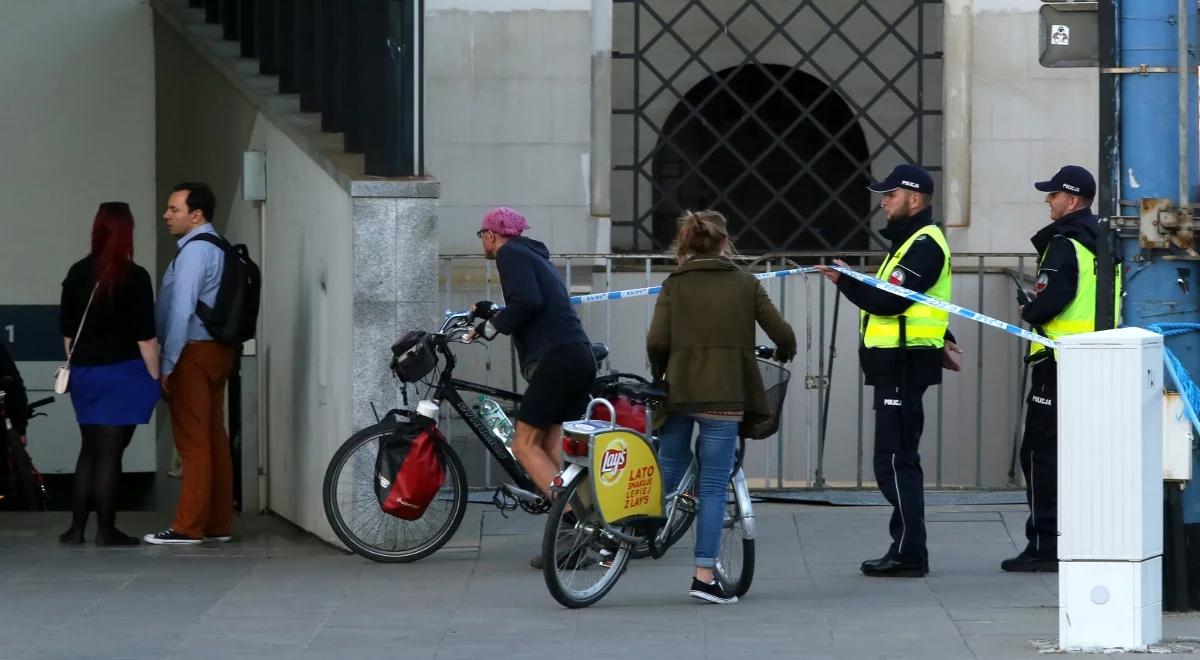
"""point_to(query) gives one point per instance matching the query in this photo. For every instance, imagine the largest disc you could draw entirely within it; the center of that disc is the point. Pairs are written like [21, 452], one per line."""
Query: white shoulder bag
[62, 376]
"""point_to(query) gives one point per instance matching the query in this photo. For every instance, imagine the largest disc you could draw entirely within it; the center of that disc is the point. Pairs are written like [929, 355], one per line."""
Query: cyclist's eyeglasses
[481, 232]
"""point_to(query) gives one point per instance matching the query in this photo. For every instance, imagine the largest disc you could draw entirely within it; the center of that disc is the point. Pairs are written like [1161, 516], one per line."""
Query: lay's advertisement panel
[626, 477]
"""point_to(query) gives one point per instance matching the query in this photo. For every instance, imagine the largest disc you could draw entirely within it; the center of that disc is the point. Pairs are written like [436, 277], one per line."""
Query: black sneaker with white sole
[170, 537]
[711, 593]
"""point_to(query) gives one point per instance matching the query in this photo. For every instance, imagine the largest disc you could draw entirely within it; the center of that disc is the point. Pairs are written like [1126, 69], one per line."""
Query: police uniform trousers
[1039, 461]
[899, 419]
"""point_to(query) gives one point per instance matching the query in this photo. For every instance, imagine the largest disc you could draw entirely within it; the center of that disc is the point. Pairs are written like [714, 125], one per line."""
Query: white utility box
[1110, 471]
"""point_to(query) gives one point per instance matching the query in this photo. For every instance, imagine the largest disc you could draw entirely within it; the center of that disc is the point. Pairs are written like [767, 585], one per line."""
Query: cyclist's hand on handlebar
[484, 309]
[784, 353]
[24, 441]
[485, 330]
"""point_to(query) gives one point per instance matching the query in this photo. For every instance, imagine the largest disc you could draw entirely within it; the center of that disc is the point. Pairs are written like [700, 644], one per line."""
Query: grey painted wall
[1026, 122]
[76, 129]
[507, 110]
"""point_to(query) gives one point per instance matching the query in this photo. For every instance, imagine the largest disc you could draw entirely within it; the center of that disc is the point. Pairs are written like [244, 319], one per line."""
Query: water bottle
[496, 420]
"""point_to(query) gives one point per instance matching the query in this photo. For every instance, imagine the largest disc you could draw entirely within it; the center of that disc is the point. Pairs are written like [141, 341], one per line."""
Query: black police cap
[1071, 179]
[906, 176]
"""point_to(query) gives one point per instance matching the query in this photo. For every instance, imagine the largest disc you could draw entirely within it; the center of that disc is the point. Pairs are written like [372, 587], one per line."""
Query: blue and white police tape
[957, 310]
[893, 289]
[654, 290]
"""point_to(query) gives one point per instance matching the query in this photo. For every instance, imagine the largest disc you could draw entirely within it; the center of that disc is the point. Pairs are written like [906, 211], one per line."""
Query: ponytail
[702, 233]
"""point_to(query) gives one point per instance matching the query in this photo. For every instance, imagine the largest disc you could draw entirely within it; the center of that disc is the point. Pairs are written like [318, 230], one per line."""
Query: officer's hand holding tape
[831, 274]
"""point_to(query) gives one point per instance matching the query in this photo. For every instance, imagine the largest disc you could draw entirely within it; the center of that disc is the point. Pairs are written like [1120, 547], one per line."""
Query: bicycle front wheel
[353, 509]
[579, 561]
[735, 557]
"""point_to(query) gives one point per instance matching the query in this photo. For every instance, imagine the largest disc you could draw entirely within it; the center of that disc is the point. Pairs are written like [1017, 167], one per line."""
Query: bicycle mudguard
[566, 477]
[742, 493]
[628, 482]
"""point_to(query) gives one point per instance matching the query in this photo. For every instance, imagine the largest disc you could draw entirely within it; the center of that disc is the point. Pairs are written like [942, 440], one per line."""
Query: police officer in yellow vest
[904, 348]
[1064, 303]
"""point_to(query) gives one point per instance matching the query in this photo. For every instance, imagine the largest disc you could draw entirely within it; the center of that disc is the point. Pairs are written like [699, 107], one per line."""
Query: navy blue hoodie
[537, 309]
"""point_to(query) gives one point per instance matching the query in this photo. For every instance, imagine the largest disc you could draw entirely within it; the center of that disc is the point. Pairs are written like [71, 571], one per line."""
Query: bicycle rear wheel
[353, 509]
[735, 556]
[681, 519]
[579, 561]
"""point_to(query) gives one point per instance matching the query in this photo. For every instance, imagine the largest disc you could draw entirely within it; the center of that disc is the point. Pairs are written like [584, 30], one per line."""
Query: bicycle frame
[448, 389]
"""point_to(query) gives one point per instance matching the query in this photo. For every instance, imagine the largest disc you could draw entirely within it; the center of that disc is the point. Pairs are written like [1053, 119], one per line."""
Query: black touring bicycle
[354, 512]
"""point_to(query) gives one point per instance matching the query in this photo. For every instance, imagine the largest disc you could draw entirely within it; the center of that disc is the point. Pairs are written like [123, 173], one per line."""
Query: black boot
[1027, 562]
[889, 566]
[114, 536]
[73, 536]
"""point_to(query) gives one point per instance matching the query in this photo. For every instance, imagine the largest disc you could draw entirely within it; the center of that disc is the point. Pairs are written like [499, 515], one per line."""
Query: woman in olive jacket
[701, 341]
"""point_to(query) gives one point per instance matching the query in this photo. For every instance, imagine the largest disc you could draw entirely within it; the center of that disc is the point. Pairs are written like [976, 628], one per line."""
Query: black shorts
[559, 386]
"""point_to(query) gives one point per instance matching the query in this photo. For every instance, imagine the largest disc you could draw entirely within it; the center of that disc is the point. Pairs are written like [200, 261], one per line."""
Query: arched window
[776, 150]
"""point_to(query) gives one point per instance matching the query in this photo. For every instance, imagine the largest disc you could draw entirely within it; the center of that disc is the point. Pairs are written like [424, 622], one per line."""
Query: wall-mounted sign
[31, 332]
[1069, 35]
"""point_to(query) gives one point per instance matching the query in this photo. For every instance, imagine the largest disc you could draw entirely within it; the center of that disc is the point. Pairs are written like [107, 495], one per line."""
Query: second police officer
[1063, 303]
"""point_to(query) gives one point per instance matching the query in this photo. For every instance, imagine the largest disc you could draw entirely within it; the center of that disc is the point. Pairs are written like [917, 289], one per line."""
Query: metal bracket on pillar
[1162, 225]
[1141, 69]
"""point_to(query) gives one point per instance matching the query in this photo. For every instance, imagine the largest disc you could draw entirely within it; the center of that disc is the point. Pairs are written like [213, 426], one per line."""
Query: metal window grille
[774, 112]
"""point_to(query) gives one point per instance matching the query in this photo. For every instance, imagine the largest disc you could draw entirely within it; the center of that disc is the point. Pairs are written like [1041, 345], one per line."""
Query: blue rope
[1188, 390]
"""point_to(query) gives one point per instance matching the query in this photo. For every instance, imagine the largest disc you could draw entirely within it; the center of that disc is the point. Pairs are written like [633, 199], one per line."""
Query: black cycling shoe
[1027, 562]
[73, 536]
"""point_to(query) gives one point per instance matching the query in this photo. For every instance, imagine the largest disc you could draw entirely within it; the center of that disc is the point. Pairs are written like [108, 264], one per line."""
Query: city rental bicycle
[351, 505]
[609, 501]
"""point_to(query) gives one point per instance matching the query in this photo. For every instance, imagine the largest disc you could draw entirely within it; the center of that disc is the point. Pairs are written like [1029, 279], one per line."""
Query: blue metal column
[1158, 289]
[1159, 286]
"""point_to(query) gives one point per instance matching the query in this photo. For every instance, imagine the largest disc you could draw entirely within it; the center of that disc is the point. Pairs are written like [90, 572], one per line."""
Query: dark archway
[786, 162]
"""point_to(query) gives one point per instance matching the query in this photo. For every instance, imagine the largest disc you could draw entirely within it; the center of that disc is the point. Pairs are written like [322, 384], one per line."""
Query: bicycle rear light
[575, 446]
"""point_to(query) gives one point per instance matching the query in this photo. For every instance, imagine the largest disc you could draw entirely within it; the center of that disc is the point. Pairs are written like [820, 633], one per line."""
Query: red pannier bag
[629, 415]
[408, 470]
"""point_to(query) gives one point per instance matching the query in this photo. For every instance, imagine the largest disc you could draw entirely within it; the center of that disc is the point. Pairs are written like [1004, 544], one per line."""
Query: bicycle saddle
[599, 351]
[644, 392]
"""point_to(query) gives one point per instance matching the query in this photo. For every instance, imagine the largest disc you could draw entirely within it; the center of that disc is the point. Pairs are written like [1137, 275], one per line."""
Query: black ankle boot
[73, 536]
[115, 536]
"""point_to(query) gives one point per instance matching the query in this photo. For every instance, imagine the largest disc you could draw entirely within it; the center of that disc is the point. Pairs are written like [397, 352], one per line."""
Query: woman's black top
[115, 324]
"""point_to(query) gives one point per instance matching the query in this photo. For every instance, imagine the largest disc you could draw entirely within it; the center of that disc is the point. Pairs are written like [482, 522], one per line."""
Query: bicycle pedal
[523, 495]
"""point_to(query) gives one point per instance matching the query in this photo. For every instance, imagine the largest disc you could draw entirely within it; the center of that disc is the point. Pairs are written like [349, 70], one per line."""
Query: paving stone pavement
[276, 592]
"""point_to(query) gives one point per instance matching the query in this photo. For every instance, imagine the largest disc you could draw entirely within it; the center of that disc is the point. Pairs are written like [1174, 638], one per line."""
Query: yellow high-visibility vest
[924, 325]
[1080, 314]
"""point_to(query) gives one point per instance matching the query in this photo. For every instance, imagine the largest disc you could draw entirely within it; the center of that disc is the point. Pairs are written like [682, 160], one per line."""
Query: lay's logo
[612, 463]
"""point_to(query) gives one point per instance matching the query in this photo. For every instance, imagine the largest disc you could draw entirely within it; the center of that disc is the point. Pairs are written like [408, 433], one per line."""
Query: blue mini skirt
[119, 394]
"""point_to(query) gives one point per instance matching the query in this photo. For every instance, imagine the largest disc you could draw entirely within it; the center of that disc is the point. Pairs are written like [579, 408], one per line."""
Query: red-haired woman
[107, 323]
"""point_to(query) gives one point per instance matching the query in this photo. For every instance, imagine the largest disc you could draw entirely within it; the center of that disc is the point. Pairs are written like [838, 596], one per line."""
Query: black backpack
[234, 316]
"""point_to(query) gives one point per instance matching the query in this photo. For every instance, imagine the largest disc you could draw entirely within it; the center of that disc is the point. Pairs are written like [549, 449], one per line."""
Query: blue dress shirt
[193, 276]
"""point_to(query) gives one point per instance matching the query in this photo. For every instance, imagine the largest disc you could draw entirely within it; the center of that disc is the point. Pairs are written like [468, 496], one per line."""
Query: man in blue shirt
[194, 371]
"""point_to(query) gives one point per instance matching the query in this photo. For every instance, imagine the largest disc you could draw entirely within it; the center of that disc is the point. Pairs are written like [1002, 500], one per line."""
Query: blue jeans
[717, 448]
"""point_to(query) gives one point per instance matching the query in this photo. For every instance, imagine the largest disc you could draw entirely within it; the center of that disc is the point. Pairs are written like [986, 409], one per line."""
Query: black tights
[97, 474]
